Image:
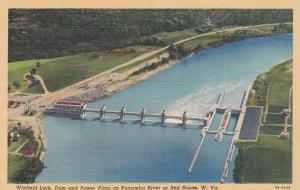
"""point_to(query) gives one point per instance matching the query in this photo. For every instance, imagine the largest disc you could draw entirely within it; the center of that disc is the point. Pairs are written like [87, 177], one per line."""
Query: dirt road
[38, 77]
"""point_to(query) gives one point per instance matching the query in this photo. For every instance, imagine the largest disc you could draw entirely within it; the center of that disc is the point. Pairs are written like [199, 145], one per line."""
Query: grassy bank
[278, 80]
[235, 34]
[23, 170]
[269, 160]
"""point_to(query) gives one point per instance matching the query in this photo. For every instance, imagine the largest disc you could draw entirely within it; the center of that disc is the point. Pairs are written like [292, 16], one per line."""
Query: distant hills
[47, 33]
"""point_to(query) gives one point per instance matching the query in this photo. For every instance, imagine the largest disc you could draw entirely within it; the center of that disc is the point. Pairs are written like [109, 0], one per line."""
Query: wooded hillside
[47, 33]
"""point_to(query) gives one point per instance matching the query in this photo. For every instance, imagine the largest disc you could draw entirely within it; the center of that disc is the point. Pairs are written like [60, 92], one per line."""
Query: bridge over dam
[79, 109]
[142, 115]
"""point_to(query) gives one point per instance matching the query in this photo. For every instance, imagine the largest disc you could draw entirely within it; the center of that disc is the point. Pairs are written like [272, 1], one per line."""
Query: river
[93, 151]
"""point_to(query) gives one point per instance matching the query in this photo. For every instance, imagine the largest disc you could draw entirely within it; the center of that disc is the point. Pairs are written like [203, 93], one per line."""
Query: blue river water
[93, 151]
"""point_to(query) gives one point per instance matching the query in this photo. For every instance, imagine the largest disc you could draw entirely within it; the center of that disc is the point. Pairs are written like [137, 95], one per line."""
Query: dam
[92, 151]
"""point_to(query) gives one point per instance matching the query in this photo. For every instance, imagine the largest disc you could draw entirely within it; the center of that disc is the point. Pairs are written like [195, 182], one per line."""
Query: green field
[15, 145]
[64, 71]
[17, 70]
[278, 80]
[267, 161]
[32, 144]
[35, 89]
[272, 130]
[16, 165]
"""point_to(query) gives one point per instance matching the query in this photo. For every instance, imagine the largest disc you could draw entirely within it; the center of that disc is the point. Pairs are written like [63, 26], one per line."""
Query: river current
[93, 151]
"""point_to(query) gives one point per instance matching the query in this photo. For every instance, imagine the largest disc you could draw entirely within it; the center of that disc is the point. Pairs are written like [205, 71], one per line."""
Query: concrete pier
[196, 154]
[223, 125]
[203, 133]
[142, 115]
[228, 162]
[220, 98]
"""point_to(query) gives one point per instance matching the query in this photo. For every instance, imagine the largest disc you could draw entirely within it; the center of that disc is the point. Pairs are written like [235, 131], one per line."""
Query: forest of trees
[47, 33]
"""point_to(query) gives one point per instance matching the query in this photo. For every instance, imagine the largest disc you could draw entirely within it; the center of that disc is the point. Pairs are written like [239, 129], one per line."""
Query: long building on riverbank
[67, 107]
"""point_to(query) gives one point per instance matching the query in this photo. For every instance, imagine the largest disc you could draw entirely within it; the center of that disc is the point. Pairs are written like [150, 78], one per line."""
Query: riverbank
[269, 160]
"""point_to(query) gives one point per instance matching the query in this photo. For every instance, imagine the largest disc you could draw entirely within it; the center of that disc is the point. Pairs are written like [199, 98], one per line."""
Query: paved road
[21, 146]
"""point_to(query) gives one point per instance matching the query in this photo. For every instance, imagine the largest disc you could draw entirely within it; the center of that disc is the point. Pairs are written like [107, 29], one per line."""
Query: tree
[9, 88]
[16, 84]
[38, 64]
[33, 71]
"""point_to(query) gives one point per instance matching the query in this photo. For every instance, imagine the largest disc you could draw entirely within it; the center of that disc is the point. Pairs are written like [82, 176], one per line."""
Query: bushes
[239, 165]
[150, 67]
[16, 84]
[260, 86]
[29, 173]
[283, 28]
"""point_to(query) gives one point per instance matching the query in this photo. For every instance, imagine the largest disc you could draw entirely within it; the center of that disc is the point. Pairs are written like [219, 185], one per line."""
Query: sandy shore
[116, 82]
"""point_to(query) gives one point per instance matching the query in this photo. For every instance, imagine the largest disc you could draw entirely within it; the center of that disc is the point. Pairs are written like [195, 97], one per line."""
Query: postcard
[148, 98]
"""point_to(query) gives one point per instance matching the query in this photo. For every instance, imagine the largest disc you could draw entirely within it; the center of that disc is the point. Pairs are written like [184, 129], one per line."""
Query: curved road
[39, 78]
